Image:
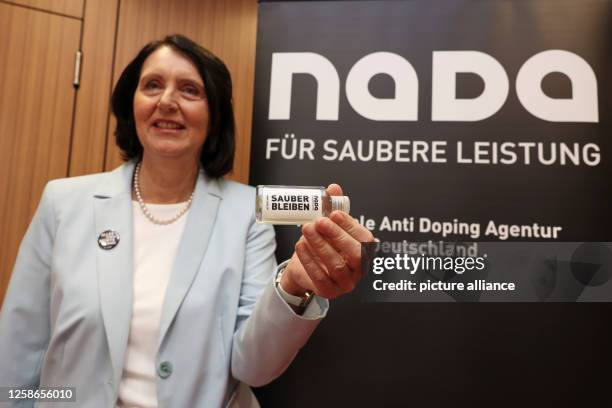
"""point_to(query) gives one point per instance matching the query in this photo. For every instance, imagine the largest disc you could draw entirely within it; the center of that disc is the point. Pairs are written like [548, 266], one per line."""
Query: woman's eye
[191, 90]
[152, 85]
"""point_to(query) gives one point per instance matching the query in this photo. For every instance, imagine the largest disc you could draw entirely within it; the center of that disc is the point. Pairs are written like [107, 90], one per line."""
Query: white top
[155, 248]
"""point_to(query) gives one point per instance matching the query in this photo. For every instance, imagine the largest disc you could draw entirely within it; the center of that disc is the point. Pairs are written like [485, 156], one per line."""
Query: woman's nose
[167, 101]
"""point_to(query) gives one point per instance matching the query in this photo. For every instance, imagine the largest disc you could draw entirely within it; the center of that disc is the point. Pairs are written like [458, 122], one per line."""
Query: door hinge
[76, 80]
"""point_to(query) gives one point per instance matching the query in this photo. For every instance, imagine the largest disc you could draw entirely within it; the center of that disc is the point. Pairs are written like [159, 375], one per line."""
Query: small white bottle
[292, 205]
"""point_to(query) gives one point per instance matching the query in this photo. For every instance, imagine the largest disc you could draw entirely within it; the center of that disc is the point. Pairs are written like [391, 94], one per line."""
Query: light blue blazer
[66, 315]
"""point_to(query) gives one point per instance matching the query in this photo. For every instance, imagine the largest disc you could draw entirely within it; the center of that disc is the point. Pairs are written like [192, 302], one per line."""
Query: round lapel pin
[108, 239]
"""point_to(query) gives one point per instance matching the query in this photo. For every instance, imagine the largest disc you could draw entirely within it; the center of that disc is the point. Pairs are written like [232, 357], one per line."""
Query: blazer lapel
[198, 228]
[113, 211]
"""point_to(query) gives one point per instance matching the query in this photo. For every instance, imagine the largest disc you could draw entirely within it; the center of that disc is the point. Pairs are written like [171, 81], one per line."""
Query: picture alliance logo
[582, 106]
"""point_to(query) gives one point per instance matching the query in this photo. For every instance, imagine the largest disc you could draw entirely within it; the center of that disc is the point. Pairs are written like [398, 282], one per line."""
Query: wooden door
[36, 110]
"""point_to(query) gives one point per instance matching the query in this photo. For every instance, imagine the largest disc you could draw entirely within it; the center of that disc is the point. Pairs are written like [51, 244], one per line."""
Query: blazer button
[164, 369]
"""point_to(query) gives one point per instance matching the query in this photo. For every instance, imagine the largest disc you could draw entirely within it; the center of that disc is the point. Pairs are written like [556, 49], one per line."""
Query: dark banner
[444, 120]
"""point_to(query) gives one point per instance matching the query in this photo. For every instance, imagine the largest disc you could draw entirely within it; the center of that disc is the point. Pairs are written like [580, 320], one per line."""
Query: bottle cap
[342, 203]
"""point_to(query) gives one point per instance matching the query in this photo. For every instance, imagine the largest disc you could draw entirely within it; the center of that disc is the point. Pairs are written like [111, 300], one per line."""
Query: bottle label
[291, 204]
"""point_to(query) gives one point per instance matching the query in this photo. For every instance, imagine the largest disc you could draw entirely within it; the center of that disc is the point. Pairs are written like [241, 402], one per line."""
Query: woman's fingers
[352, 226]
[334, 190]
[322, 282]
[345, 235]
[342, 244]
[335, 263]
[329, 251]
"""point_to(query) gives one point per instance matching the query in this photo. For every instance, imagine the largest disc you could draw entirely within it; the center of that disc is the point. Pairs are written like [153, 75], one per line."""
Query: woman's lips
[167, 126]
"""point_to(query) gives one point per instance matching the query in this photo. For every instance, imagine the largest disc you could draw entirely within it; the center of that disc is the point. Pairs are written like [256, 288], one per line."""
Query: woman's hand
[327, 257]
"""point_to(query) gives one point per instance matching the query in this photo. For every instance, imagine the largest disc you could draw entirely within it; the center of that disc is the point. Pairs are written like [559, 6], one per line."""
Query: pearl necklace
[145, 209]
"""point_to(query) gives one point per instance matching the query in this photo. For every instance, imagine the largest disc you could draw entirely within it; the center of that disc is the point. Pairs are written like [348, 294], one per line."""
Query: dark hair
[217, 156]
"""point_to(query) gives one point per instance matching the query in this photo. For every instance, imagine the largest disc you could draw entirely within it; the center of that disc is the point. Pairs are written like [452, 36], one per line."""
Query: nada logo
[581, 107]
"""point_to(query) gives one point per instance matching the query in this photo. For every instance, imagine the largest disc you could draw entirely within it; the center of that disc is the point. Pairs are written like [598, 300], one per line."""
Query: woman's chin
[168, 151]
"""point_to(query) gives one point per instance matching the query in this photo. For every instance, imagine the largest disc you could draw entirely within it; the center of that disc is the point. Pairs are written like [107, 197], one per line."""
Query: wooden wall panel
[92, 104]
[36, 106]
[72, 8]
[227, 28]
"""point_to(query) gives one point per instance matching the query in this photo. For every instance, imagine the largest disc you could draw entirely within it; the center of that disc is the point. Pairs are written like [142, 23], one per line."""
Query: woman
[152, 285]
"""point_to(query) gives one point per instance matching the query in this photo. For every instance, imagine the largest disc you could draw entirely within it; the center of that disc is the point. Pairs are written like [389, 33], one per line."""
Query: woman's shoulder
[84, 181]
[237, 197]
[90, 184]
[233, 188]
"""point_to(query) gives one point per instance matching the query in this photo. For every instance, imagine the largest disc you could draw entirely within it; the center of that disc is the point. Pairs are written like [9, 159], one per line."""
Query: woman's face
[170, 106]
